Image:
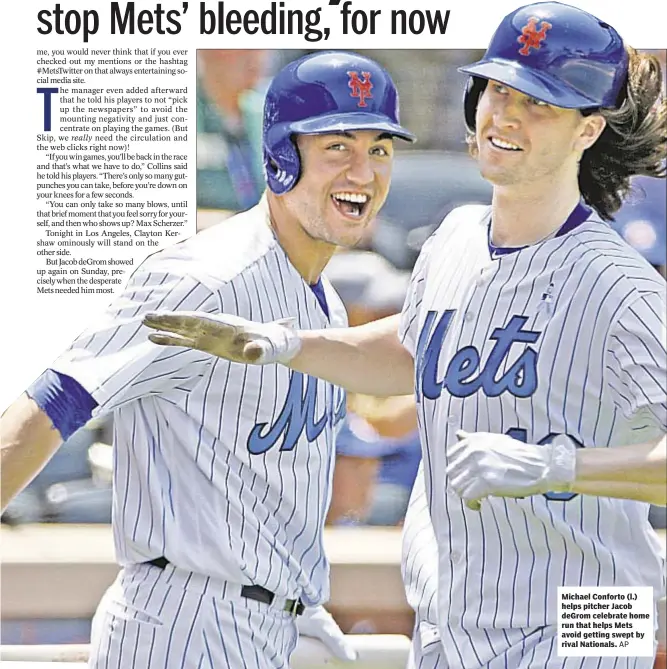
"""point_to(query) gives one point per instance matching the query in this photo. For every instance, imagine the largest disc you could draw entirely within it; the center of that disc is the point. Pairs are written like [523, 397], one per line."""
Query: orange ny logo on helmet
[361, 88]
[531, 37]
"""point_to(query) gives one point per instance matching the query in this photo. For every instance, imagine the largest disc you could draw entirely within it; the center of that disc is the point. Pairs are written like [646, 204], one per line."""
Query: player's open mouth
[350, 204]
[503, 144]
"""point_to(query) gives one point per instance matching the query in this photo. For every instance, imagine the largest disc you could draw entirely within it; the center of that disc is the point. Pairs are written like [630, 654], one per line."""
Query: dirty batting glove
[226, 336]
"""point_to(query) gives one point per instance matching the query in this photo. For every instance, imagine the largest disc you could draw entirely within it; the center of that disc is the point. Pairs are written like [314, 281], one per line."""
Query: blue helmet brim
[337, 122]
[539, 85]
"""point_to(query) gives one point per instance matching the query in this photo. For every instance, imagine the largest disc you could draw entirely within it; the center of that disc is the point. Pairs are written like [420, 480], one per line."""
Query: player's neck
[523, 218]
[308, 256]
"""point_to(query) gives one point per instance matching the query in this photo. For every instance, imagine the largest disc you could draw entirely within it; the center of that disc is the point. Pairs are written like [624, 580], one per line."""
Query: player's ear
[590, 129]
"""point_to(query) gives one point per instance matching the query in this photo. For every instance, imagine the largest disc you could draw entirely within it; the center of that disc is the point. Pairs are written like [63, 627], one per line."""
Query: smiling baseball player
[222, 471]
[534, 338]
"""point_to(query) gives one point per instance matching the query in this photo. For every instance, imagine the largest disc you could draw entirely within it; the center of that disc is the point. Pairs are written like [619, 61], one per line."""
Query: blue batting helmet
[554, 53]
[322, 93]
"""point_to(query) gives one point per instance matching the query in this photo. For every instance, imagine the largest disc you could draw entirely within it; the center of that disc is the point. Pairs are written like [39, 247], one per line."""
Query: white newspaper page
[111, 153]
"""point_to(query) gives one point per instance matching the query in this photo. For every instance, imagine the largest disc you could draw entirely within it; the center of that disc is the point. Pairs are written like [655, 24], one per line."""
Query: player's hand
[229, 337]
[483, 464]
[318, 623]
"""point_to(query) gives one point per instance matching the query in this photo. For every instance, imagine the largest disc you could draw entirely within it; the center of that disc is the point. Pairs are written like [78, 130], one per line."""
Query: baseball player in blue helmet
[534, 339]
[564, 58]
[310, 104]
[222, 472]
[324, 93]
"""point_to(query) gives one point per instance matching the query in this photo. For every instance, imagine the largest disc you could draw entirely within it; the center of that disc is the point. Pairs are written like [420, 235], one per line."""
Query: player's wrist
[562, 468]
[285, 342]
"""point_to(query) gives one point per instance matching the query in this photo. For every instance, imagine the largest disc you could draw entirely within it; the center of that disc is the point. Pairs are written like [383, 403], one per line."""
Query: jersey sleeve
[408, 325]
[636, 359]
[115, 361]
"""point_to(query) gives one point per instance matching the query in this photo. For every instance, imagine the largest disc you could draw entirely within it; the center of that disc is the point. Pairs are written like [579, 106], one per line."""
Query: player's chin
[350, 234]
[498, 175]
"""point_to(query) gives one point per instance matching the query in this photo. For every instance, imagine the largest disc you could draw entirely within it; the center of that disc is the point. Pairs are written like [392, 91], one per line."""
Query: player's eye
[379, 151]
[338, 146]
[499, 88]
[537, 103]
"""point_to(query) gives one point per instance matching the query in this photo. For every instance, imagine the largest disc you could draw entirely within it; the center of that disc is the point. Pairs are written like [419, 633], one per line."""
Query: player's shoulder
[470, 219]
[467, 222]
[608, 255]
[219, 254]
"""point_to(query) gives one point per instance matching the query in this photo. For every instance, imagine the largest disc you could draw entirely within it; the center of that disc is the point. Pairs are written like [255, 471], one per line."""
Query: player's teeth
[503, 144]
[359, 198]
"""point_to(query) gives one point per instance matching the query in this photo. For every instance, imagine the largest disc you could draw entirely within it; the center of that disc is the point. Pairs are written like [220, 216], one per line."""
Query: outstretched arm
[484, 464]
[368, 359]
[631, 472]
[28, 441]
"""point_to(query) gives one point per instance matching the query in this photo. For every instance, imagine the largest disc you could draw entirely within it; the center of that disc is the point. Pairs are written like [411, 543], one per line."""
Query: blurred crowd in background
[378, 449]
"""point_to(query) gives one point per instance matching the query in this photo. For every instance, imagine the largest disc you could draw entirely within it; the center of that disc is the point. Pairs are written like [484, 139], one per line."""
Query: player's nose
[507, 112]
[360, 169]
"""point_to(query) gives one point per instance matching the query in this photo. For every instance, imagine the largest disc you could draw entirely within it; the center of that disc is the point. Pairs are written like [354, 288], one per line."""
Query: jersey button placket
[469, 314]
[485, 275]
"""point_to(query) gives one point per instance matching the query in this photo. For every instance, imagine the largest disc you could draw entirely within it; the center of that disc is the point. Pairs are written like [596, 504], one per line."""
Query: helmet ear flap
[474, 88]
[282, 165]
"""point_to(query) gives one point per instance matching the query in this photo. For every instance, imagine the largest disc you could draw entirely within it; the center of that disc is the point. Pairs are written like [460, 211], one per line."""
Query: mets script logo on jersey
[531, 37]
[361, 88]
[297, 416]
[463, 376]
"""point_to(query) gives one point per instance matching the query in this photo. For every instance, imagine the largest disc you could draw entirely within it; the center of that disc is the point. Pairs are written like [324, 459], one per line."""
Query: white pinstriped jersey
[563, 337]
[225, 469]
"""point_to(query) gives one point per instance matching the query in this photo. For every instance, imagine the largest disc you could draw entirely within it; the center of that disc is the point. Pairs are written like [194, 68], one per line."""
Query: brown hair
[634, 140]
